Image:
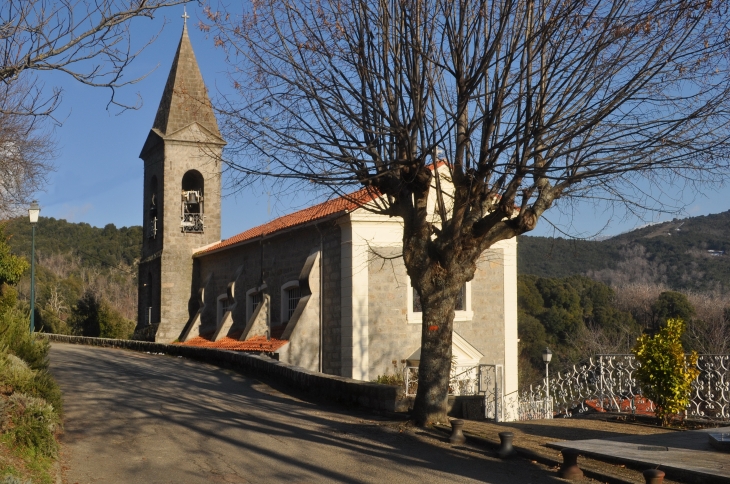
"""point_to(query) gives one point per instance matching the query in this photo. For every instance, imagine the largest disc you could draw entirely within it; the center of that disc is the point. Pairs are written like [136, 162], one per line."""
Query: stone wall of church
[177, 246]
[486, 329]
[392, 337]
[332, 314]
[283, 258]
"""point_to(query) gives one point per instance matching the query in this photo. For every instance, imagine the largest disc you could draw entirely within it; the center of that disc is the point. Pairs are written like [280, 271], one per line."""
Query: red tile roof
[257, 343]
[344, 204]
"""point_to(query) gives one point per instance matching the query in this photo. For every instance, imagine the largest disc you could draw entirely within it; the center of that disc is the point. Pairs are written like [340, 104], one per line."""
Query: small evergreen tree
[672, 305]
[666, 373]
[92, 316]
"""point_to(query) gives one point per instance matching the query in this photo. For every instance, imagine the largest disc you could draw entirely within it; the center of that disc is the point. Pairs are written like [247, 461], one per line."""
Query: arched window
[224, 305]
[254, 297]
[152, 228]
[148, 299]
[192, 202]
[290, 296]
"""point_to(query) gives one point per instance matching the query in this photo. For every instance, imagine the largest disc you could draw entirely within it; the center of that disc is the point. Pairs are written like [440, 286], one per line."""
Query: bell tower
[182, 197]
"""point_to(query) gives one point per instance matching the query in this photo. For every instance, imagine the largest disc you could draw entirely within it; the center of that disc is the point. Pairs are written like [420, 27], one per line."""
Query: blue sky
[98, 176]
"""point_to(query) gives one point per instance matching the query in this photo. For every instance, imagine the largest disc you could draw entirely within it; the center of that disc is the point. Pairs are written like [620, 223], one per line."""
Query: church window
[224, 305]
[293, 296]
[290, 296]
[148, 299]
[152, 227]
[192, 213]
[417, 308]
[254, 297]
[463, 311]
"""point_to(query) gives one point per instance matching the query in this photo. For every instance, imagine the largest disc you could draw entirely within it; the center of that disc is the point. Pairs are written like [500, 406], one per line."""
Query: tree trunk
[434, 367]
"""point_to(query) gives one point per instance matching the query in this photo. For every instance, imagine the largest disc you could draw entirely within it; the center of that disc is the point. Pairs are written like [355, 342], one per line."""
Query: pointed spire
[185, 98]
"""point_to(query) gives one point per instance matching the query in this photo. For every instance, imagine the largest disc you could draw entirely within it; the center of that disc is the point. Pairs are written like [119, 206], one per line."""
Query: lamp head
[547, 355]
[33, 212]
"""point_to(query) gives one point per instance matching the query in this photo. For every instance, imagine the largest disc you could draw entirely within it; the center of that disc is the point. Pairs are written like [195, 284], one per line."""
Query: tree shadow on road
[141, 406]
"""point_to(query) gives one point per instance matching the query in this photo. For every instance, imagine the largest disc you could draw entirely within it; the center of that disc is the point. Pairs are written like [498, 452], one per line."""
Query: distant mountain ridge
[691, 254]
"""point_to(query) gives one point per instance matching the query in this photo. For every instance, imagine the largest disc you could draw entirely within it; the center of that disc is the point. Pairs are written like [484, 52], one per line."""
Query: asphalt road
[140, 418]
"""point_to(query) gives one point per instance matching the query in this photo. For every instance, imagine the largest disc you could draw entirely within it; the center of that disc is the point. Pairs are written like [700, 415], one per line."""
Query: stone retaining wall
[336, 388]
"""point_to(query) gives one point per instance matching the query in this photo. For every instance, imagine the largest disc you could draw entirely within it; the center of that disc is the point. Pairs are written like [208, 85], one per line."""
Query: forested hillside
[86, 276]
[107, 247]
[579, 318]
[691, 254]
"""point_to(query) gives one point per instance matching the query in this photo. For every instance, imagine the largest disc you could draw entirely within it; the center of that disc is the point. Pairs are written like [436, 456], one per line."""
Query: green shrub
[17, 376]
[92, 316]
[31, 423]
[12, 267]
[666, 373]
[15, 335]
[397, 378]
[390, 380]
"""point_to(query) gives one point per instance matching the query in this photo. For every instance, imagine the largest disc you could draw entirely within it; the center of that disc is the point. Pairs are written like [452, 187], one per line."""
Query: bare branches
[88, 40]
[26, 151]
[527, 100]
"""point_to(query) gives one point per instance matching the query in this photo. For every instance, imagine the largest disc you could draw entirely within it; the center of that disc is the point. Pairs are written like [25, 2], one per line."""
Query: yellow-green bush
[666, 373]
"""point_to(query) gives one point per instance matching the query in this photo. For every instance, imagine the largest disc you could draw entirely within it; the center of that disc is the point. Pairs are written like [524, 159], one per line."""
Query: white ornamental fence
[604, 383]
[485, 380]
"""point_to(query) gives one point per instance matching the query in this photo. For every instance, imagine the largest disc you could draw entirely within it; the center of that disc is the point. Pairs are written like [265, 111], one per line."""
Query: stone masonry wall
[486, 330]
[392, 337]
[151, 247]
[177, 262]
[284, 256]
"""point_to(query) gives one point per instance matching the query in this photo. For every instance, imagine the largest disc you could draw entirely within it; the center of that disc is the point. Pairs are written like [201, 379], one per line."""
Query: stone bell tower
[182, 197]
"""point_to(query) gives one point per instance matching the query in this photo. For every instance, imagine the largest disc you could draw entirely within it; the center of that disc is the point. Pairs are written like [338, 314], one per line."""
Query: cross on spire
[185, 16]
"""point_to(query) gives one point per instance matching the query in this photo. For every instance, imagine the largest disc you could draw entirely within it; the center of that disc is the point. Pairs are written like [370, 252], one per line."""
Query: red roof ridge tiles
[343, 204]
[257, 344]
[339, 205]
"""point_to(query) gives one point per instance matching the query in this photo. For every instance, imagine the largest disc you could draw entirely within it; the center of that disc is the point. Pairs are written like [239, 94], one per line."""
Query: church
[322, 288]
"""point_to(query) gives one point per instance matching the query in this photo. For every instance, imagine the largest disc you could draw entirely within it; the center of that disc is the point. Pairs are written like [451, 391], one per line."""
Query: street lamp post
[33, 213]
[547, 355]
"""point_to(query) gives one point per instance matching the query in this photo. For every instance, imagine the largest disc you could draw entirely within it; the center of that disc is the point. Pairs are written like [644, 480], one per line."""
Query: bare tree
[26, 151]
[635, 268]
[709, 331]
[88, 40]
[638, 299]
[529, 101]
